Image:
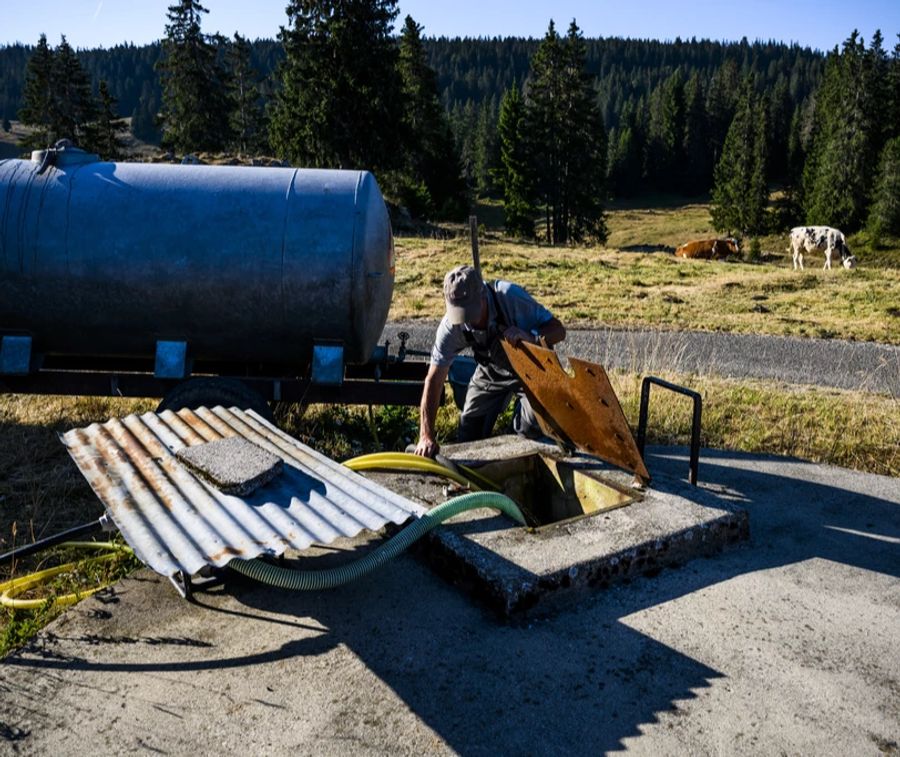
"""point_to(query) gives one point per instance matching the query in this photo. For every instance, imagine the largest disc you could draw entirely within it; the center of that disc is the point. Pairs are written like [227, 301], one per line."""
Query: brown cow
[708, 249]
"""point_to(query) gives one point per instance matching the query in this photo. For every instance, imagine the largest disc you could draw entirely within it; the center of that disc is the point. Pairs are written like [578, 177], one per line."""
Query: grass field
[634, 281]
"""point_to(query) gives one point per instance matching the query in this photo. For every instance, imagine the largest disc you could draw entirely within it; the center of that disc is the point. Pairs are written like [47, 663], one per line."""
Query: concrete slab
[518, 572]
[233, 465]
[785, 644]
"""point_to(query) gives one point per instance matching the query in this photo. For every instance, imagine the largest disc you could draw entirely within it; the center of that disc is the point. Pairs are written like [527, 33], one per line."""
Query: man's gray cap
[462, 293]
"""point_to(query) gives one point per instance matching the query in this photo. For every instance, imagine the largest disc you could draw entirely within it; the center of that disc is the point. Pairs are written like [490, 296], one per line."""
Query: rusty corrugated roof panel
[175, 521]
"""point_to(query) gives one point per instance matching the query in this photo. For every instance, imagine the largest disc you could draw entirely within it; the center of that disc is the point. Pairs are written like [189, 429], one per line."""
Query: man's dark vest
[483, 352]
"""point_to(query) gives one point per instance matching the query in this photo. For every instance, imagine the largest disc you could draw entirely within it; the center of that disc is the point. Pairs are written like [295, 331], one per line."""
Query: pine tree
[626, 152]
[795, 151]
[780, 111]
[339, 101]
[195, 104]
[568, 139]
[876, 94]
[465, 122]
[431, 167]
[513, 177]
[74, 107]
[884, 216]
[740, 193]
[893, 88]
[485, 148]
[144, 117]
[107, 142]
[666, 156]
[721, 98]
[246, 119]
[697, 165]
[586, 146]
[37, 108]
[839, 168]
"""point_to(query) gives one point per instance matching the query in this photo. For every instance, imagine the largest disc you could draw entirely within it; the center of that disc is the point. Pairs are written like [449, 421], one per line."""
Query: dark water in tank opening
[552, 492]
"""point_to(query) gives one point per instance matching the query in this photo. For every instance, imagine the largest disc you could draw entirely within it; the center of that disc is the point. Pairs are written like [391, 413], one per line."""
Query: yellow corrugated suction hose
[10, 590]
[407, 461]
[307, 580]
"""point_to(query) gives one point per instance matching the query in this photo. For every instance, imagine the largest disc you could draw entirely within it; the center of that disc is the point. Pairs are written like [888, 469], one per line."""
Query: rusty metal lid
[579, 410]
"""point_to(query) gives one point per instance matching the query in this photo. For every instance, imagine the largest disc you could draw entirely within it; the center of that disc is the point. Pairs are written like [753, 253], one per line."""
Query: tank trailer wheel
[212, 391]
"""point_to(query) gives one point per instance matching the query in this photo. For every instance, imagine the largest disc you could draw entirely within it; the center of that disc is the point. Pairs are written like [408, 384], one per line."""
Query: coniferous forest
[555, 127]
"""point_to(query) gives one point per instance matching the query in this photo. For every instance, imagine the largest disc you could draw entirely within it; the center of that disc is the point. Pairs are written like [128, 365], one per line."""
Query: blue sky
[822, 24]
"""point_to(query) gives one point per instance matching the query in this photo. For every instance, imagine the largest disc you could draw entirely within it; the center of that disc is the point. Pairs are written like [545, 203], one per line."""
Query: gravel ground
[864, 366]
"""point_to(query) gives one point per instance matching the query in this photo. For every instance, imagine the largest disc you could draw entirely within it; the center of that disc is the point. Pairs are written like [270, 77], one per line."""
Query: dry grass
[850, 429]
[41, 491]
[635, 281]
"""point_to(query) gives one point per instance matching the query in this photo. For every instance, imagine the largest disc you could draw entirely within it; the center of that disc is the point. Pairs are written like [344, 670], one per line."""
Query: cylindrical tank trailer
[243, 264]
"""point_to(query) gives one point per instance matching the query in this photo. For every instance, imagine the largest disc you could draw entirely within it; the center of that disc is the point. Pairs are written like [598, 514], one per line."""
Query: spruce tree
[839, 170]
[109, 126]
[780, 110]
[74, 107]
[666, 149]
[465, 126]
[876, 95]
[697, 165]
[338, 105]
[626, 153]
[246, 119]
[431, 174]
[721, 99]
[740, 193]
[884, 216]
[485, 147]
[893, 88]
[795, 153]
[568, 140]
[195, 103]
[37, 108]
[513, 177]
[585, 148]
[144, 117]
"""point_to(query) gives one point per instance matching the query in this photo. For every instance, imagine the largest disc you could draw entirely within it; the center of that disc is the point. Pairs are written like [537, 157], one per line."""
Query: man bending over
[478, 316]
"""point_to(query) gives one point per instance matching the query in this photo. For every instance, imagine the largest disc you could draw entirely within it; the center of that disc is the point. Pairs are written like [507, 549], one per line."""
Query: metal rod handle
[51, 541]
[695, 421]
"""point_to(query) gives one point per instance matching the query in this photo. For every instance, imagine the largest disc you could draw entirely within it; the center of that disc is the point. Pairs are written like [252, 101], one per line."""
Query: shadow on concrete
[793, 516]
[575, 683]
[582, 681]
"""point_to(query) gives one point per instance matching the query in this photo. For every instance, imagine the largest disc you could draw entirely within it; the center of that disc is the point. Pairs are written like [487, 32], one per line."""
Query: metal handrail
[695, 424]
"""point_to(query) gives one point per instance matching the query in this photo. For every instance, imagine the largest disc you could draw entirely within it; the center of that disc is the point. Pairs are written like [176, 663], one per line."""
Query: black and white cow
[809, 238]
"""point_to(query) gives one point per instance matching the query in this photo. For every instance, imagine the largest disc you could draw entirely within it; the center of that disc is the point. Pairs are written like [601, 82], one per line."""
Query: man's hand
[431, 398]
[427, 447]
[514, 335]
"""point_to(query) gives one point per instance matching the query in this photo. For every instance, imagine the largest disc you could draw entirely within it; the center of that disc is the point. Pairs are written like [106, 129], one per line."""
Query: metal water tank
[242, 263]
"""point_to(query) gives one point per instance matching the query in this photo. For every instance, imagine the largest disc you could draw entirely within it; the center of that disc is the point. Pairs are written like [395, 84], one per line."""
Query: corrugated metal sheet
[175, 521]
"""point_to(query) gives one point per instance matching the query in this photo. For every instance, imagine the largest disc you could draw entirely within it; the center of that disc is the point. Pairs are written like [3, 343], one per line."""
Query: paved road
[785, 645]
[821, 362]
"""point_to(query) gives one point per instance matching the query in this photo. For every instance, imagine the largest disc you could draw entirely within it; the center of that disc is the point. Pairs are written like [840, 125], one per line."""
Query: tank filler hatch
[62, 155]
[579, 411]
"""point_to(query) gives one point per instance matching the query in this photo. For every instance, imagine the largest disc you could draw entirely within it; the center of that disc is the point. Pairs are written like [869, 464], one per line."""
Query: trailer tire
[212, 391]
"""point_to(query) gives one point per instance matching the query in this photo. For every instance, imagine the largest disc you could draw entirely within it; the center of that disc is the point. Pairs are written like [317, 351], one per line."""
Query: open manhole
[551, 492]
